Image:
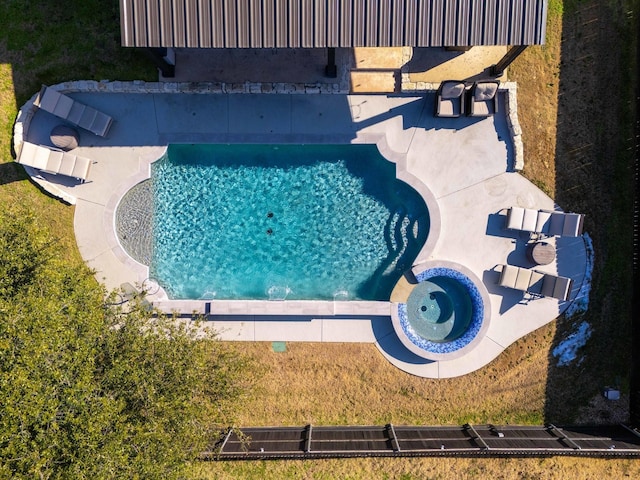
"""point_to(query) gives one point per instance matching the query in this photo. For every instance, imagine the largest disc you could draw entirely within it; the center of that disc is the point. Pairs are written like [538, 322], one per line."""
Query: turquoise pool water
[282, 221]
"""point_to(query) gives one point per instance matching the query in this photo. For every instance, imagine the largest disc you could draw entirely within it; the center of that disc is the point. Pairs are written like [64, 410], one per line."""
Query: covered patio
[376, 46]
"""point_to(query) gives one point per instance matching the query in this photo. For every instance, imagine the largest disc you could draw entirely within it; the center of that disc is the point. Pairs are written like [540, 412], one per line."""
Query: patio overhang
[331, 23]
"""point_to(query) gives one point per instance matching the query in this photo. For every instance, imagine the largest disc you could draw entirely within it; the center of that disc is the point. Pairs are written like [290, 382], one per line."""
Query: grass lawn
[580, 150]
[573, 151]
[42, 43]
[424, 468]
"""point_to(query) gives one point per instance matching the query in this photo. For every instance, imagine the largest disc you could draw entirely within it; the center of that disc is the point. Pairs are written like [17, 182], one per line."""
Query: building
[163, 25]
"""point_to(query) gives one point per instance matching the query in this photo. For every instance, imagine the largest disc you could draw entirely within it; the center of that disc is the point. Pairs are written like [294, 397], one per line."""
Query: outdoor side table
[64, 137]
[541, 253]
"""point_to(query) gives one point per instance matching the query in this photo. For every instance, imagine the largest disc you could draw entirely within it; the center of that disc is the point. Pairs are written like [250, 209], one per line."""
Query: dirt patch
[601, 411]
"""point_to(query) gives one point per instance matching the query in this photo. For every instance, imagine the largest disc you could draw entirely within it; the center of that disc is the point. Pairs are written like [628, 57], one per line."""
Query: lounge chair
[54, 161]
[74, 112]
[450, 99]
[483, 101]
[535, 283]
[566, 224]
[545, 222]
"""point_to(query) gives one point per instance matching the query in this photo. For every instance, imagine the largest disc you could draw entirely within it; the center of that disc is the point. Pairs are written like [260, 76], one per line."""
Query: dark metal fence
[393, 440]
[635, 352]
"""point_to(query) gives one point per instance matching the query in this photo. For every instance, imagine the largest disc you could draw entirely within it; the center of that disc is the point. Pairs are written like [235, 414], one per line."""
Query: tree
[90, 390]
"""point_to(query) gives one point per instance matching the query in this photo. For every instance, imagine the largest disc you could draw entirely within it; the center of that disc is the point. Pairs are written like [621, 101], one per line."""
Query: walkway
[464, 166]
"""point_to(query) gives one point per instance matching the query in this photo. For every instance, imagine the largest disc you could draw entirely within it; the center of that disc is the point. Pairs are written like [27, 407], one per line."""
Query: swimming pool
[282, 222]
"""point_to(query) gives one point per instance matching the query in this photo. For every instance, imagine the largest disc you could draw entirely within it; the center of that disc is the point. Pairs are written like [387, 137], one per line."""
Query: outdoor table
[64, 137]
[541, 253]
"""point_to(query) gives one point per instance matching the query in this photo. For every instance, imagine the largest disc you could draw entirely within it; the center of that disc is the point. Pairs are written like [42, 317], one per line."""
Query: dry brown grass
[426, 468]
[537, 72]
[338, 384]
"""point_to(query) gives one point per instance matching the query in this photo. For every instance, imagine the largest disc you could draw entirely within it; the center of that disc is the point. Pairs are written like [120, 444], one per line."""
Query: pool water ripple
[313, 221]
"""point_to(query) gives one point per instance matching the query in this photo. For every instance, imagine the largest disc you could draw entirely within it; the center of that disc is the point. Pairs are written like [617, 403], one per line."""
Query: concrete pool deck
[465, 166]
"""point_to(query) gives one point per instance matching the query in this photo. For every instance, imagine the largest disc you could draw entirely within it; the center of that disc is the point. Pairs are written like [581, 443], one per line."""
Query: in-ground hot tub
[440, 309]
[445, 314]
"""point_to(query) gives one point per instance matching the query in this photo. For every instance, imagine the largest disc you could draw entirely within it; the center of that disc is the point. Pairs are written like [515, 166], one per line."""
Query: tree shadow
[593, 160]
[11, 172]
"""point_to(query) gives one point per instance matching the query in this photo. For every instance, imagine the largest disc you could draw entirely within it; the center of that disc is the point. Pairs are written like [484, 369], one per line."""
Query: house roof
[331, 23]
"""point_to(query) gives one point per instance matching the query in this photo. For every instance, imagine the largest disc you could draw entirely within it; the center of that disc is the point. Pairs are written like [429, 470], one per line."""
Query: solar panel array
[394, 440]
[331, 23]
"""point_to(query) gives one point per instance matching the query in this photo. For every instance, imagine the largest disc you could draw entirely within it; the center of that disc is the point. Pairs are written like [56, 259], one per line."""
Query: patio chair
[565, 224]
[450, 99]
[545, 222]
[79, 114]
[483, 101]
[535, 283]
[54, 161]
[523, 219]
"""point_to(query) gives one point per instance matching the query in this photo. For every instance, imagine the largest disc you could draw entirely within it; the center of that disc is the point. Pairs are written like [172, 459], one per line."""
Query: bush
[88, 390]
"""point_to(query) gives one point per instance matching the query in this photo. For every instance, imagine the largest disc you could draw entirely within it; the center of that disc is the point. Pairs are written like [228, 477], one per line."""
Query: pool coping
[158, 295]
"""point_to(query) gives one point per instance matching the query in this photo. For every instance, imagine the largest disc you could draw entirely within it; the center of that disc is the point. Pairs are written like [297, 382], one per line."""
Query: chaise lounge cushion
[556, 225]
[65, 107]
[566, 224]
[508, 276]
[54, 161]
[556, 287]
[525, 219]
[535, 282]
[543, 221]
[521, 279]
[546, 222]
[572, 225]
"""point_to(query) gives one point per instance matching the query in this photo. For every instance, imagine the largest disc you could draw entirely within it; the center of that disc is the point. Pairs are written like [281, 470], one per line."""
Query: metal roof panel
[331, 23]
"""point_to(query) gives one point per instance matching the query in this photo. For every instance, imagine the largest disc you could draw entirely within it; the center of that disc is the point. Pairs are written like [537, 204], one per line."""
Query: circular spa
[439, 309]
[444, 315]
